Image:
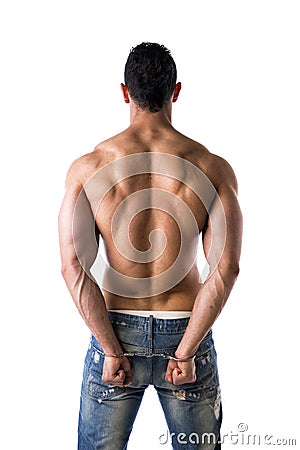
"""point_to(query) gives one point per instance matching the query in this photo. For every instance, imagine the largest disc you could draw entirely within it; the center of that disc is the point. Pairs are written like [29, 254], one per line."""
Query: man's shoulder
[215, 167]
[201, 155]
[83, 167]
[221, 172]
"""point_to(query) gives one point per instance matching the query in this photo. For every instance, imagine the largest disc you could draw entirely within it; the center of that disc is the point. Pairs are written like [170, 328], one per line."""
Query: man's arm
[223, 258]
[78, 248]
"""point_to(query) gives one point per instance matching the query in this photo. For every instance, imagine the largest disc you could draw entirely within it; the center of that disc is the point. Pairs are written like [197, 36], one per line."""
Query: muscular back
[150, 197]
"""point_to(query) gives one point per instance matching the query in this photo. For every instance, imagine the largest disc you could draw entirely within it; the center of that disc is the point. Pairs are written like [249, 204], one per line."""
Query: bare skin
[152, 133]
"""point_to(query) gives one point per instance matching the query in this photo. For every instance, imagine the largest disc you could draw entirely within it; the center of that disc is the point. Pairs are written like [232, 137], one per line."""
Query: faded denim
[193, 411]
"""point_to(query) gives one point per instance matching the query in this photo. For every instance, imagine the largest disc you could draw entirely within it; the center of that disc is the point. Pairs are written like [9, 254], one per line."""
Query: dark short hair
[150, 75]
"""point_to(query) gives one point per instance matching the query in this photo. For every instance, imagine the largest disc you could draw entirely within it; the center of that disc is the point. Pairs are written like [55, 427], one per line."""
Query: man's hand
[181, 372]
[117, 371]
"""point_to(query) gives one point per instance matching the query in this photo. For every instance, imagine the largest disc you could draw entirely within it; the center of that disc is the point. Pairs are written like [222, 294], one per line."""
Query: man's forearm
[209, 302]
[90, 303]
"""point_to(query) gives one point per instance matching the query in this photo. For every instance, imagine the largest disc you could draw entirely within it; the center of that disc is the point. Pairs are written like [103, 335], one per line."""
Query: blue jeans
[192, 410]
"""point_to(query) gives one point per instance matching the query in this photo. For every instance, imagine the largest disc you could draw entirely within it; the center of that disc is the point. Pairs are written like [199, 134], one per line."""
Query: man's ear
[176, 92]
[125, 93]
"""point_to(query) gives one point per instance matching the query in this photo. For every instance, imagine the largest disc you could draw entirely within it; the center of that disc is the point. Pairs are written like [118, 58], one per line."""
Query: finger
[128, 379]
[169, 373]
[176, 376]
[181, 378]
[120, 376]
[113, 381]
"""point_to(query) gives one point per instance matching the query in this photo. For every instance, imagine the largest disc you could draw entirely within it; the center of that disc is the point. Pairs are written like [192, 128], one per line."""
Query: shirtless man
[149, 193]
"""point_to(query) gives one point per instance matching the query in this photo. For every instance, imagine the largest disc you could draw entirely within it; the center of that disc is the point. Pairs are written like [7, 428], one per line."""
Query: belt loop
[151, 331]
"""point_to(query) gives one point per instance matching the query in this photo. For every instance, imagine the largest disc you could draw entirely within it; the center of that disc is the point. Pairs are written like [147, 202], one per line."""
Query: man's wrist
[183, 359]
[185, 353]
[113, 350]
[114, 355]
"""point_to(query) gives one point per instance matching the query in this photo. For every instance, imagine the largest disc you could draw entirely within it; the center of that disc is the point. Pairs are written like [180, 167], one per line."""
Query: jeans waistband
[141, 323]
[155, 314]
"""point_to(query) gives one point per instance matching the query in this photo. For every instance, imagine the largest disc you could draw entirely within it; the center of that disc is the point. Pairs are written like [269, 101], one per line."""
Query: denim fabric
[192, 410]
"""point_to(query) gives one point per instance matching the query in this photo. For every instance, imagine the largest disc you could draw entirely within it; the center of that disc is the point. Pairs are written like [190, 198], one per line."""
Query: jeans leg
[107, 425]
[193, 411]
[107, 412]
[192, 424]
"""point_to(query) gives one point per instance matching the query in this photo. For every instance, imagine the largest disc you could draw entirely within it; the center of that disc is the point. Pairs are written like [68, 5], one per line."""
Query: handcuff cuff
[149, 355]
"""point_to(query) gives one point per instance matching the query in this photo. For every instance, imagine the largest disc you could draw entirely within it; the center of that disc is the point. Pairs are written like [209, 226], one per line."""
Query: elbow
[68, 270]
[234, 270]
[64, 271]
[230, 271]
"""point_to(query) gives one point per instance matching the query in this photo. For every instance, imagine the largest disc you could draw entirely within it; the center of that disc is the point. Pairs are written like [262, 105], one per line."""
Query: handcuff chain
[150, 355]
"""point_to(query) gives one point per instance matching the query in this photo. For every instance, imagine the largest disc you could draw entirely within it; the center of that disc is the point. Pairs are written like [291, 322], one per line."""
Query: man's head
[150, 76]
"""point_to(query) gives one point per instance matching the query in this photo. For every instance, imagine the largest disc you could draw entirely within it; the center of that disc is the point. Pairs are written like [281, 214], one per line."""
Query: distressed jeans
[192, 410]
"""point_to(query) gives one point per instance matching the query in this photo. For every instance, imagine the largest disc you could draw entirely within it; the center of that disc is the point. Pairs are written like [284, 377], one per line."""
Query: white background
[61, 65]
